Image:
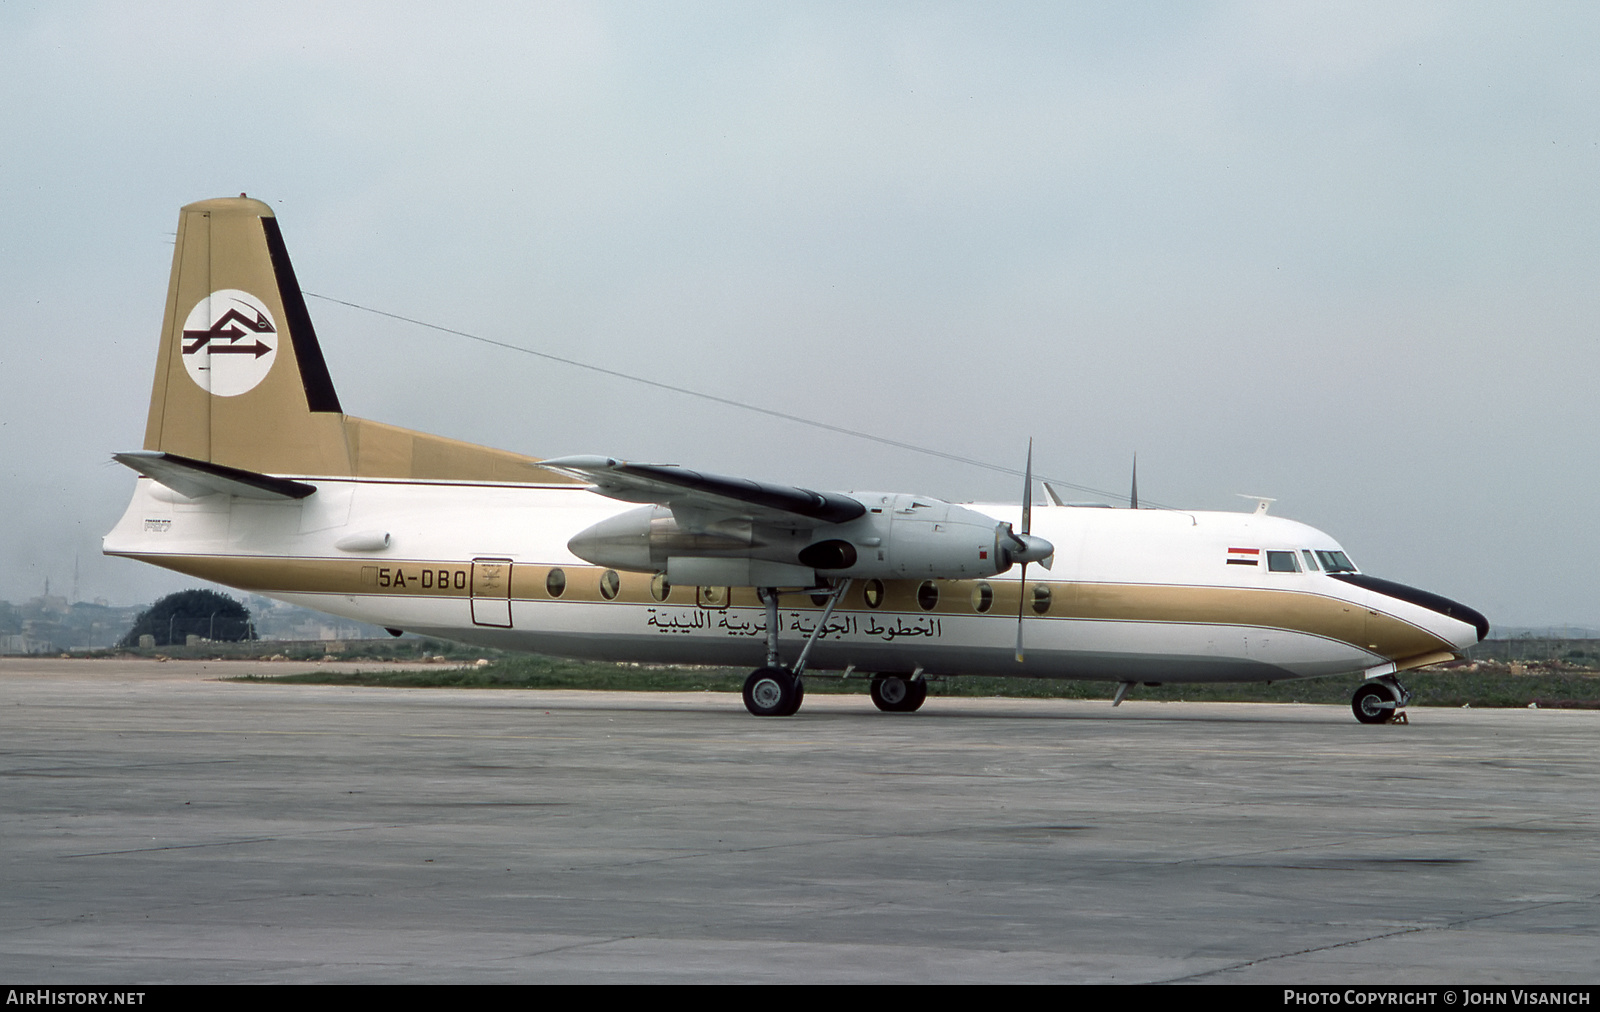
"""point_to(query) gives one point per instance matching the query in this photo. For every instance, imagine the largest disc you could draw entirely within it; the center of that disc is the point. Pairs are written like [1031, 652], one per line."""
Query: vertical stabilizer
[240, 378]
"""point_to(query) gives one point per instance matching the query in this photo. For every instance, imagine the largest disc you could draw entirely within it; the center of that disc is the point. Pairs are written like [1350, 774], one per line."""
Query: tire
[919, 695]
[897, 693]
[1373, 703]
[773, 692]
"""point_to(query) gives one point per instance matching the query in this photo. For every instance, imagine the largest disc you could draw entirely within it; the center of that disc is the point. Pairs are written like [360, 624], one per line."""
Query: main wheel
[897, 693]
[1373, 703]
[918, 696]
[773, 692]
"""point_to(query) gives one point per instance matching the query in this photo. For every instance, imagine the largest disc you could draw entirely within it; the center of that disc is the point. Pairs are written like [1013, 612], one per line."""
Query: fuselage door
[491, 592]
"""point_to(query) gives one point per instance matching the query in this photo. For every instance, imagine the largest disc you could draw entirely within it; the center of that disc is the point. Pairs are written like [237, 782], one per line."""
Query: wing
[683, 489]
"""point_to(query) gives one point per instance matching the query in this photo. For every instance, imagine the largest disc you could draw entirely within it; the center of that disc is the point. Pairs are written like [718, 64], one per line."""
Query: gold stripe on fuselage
[1293, 611]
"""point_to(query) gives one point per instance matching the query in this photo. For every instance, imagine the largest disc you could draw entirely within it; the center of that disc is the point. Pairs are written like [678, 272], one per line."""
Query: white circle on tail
[229, 342]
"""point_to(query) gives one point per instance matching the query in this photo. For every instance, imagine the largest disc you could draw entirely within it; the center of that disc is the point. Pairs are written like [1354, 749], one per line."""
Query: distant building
[49, 624]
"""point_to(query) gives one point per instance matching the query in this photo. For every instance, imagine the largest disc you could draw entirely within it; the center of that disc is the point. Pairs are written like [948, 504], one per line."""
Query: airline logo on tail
[229, 342]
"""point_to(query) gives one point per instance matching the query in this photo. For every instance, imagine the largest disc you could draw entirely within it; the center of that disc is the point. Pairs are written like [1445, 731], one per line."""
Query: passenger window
[928, 595]
[556, 583]
[1282, 562]
[1041, 598]
[982, 597]
[872, 593]
[610, 583]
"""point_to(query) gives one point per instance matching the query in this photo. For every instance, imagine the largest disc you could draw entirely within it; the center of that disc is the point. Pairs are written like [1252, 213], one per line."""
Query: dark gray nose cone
[1432, 602]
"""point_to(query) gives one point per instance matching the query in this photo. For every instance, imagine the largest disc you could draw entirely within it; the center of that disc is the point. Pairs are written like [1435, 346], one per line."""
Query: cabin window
[928, 595]
[872, 593]
[1282, 562]
[982, 597]
[659, 587]
[1335, 562]
[1311, 560]
[610, 583]
[556, 583]
[1041, 598]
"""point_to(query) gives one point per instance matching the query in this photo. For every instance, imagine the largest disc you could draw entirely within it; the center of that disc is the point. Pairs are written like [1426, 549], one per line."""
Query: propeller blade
[1028, 548]
[1022, 602]
[1133, 498]
[1022, 542]
[1027, 491]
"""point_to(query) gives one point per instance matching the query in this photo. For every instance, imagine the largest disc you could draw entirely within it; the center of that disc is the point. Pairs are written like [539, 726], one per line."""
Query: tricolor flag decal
[1244, 556]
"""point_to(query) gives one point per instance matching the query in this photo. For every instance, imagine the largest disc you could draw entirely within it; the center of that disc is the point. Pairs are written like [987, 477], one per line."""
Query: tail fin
[240, 378]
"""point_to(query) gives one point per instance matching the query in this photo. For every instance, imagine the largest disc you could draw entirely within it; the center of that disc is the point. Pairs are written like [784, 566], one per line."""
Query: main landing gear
[898, 693]
[1380, 701]
[774, 690]
[777, 691]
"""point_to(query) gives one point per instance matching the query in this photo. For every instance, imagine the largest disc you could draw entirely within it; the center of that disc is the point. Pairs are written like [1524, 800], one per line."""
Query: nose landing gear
[1381, 701]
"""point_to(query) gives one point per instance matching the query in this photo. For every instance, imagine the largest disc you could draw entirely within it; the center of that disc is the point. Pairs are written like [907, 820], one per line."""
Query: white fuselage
[1132, 595]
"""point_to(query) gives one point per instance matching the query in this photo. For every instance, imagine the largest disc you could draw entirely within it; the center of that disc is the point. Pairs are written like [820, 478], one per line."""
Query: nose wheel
[1380, 701]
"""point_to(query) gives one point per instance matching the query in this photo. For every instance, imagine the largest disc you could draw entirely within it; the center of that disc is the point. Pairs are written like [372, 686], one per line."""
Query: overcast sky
[1346, 255]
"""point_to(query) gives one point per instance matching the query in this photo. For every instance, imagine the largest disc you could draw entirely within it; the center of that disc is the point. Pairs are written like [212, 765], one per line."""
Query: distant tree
[204, 613]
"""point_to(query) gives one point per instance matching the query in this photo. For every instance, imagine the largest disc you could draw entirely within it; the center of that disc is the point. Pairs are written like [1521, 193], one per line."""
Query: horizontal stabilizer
[197, 478]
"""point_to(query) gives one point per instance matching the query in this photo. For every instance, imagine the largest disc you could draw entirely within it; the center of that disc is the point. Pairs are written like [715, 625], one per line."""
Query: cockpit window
[1335, 562]
[1282, 562]
[1311, 560]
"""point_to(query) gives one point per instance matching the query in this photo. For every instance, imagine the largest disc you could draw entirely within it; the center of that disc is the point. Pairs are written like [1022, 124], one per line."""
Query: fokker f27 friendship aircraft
[253, 476]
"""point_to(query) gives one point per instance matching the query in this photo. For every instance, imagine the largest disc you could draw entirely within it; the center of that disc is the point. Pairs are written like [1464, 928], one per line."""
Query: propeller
[1027, 548]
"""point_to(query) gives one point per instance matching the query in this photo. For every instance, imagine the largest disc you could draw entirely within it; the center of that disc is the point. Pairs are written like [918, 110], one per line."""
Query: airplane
[251, 475]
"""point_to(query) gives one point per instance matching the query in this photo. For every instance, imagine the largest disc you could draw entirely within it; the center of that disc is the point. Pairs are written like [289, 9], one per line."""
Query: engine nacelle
[899, 537]
[911, 537]
[643, 540]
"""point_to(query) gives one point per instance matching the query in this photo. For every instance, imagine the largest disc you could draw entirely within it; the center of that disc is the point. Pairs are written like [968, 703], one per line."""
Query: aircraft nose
[1433, 602]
